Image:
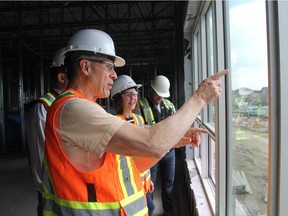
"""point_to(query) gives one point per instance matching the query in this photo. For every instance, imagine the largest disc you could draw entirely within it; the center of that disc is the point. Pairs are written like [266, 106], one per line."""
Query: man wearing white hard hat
[155, 108]
[35, 119]
[86, 171]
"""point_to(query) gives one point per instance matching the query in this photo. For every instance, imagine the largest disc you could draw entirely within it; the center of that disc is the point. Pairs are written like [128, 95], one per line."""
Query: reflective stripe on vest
[147, 112]
[241, 134]
[66, 94]
[47, 182]
[169, 105]
[132, 205]
[48, 99]
[126, 175]
[53, 205]
[146, 178]
[139, 120]
[146, 175]
[127, 198]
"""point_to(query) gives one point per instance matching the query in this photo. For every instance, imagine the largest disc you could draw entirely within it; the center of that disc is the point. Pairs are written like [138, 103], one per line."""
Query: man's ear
[84, 66]
[61, 77]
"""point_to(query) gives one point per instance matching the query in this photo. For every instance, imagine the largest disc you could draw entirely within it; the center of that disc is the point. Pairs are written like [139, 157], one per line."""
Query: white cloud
[248, 45]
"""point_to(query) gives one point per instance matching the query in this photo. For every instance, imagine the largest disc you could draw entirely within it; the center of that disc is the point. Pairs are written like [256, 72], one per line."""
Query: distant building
[243, 98]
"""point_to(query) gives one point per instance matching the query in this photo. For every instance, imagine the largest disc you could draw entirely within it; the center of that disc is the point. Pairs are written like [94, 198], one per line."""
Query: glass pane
[199, 76]
[210, 60]
[199, 59]
[212, 159]
[196, 150]
[211, 107]
[249, 140]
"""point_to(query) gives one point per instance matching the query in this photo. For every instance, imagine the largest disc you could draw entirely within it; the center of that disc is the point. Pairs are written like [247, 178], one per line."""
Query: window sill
[201, 198]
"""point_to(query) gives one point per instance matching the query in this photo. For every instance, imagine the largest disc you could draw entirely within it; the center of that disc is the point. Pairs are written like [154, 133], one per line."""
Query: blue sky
[248, 44]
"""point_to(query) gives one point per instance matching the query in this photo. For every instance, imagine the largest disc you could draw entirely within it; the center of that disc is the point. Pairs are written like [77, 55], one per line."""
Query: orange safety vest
[145, 176]
[113, 189]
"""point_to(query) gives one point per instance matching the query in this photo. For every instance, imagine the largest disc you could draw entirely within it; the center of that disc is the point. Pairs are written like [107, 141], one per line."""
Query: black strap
[91, 193]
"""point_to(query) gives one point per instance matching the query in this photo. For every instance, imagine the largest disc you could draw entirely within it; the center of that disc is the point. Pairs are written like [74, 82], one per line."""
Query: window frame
[218, 196]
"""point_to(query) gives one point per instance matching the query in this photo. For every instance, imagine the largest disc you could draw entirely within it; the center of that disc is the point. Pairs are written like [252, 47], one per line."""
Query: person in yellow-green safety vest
[124, 94]
[85, 172]
[155, 108]
[35, 119]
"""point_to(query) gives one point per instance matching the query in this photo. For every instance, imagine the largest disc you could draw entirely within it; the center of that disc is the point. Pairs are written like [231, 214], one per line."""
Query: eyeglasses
[108, 65]
[130, 94]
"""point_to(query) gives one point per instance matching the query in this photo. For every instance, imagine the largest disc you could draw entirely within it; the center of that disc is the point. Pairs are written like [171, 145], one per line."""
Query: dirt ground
[250, 156]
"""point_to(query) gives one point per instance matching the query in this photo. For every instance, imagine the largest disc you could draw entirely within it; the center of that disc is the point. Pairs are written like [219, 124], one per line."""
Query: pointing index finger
[219, 74]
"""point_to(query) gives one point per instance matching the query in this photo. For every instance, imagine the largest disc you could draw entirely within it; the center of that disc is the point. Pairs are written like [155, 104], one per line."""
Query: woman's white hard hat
[123, 83]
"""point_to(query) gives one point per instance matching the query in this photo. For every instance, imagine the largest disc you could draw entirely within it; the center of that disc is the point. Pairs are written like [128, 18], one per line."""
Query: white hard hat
[122, 83]
[161, 86]
[95, 41]
[58, 58]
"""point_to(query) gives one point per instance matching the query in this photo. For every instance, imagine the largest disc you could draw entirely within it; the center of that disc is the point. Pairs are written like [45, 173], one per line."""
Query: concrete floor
[18, 197]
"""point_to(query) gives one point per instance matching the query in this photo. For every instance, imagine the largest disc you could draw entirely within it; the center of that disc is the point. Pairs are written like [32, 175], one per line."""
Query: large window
[205, 154]
[249, 82]
[247, 147]
[242, 160]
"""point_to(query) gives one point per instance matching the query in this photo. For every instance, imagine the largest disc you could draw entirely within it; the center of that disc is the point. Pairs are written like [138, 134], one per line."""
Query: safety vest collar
[48, 99]
[138, 120]
[73, 93]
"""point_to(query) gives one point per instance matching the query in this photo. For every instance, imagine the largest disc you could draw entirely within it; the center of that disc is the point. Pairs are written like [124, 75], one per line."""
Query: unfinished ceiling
[144, 32]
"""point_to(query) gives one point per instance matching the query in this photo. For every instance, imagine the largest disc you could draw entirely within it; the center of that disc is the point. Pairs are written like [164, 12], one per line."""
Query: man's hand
[192, 136]
[210, 88]
[151, 188]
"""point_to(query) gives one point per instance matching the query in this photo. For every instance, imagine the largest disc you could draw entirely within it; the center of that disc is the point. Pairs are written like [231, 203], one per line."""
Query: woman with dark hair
[125, 100]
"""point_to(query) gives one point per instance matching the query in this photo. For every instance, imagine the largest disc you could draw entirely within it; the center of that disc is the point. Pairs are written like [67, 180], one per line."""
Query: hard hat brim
[164, 95]
[138, 86]
[119, 62]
